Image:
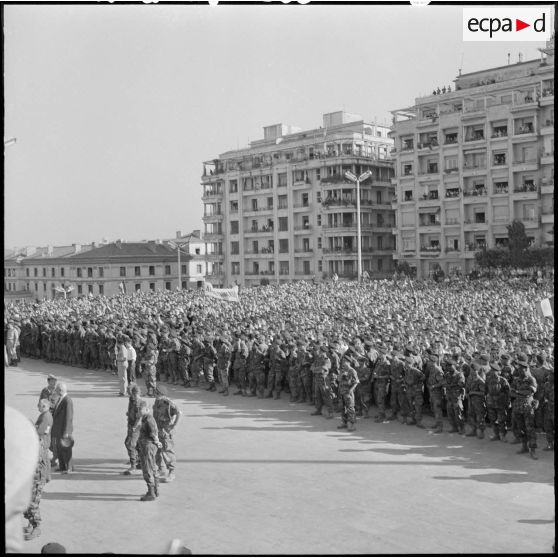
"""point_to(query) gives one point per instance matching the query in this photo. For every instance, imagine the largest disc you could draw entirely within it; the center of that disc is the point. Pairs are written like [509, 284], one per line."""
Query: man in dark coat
[63, 428]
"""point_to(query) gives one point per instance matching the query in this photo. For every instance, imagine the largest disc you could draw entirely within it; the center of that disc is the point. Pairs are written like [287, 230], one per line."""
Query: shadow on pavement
[88, 496]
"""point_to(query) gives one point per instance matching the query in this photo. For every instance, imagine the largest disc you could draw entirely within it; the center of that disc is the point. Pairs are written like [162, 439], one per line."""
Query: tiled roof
[127, 249]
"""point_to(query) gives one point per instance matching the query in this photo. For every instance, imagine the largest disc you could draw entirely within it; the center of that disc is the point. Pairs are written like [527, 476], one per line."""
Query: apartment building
[282, 209]
[470, 161]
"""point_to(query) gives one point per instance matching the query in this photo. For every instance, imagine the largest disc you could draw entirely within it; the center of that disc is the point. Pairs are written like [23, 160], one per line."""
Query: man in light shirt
[131, 370]
[122, 364]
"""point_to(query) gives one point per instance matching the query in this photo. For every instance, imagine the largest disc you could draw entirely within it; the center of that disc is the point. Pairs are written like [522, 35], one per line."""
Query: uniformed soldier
[149, 444]
[414, 386]
[320, 370]
[436, 387]
[133, 430]
[455, 393]
[198, 350]
[475, 391]
[166, 415]
[239, 359]
[292, 373]
[257, 365]
[184, 360]
[209, 359]
[348, 381]
[548, 402]
[224, 357]
[149, 369]
[524, 388]
[497, 401]
[381, 376]
[398, 396]
[277, 356]
[364, 368]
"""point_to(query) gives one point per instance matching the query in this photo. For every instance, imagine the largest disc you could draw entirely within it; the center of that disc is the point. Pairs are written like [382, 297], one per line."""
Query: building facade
[283, 210]
[101, 270]
[470, 161]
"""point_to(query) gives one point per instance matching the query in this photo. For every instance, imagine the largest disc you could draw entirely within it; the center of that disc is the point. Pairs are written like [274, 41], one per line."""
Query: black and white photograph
[279, 278]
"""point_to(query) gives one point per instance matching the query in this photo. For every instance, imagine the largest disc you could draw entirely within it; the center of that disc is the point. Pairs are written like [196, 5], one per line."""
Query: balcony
[472, 224]
[452, 222]
[428, 145]
[547, 127]
[451, 140]
[304, 251]
[470, 196]
[344, 225]
[302, 207]
[338, 202]
[259, 231]
[475, 138]
[210, 194]
[429, 224]
[451, 171]
[429, 200]
[212, 237]
[213, 218]
[499, 134]
[302, 229]
[432, 251]
[500, 190]
[526, 192]
[430, 169]
[471, 169]
[547, 218]
[453, 193]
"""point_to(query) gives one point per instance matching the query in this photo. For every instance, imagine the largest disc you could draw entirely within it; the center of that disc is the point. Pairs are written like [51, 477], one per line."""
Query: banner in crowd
[545, 307]
[228, 295]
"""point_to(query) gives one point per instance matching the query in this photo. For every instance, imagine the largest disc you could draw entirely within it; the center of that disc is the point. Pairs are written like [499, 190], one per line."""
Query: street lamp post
[353, 178]
[178, 247]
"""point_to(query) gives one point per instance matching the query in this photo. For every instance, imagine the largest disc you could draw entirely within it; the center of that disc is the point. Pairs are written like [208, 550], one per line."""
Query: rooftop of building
[119, 249]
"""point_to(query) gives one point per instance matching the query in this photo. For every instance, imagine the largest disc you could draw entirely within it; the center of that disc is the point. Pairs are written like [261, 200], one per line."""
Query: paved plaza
[264, 477]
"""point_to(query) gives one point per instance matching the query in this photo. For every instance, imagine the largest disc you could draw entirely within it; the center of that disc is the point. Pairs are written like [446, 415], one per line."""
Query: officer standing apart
[166, 415]
[149, 443]
[134, 423]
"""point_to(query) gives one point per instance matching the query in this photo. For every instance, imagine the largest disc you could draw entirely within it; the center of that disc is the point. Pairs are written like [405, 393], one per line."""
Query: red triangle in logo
[519, 25]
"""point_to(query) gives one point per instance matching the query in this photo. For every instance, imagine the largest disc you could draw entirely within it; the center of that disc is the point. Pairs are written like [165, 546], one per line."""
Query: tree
[403, 268]
[264, 281]
[518, 244]
[496, 257]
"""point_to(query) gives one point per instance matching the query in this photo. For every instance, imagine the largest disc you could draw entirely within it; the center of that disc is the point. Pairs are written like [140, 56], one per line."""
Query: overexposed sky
[115, 107]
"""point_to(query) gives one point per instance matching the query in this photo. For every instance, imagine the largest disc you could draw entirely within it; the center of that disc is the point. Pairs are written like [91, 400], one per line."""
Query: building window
[168, 285]
[320, 266]
[90, 289]
[283, 223]
[380, 243]
[233, 186]
[122, 272]
[380, 264]
[379, 197]
[283, 268]
[89, 272]
[101, 290]
[235, 268]
[234, 227]
[27, 272]
[80, 290]
[282, 179]
[283, 245]
[101, 272]
[235, 248]
[167, 270]
[198, 251]
[137, 287]
[269, 203]
[305, 200]
[44, 272]
[151, 270]
[36, 272]
[151, 286]
[198, 268]
[183, 269]
[407, 169]
[53, 272]
[78, 271]
[184, 284]
[61, 272]
[137, 270]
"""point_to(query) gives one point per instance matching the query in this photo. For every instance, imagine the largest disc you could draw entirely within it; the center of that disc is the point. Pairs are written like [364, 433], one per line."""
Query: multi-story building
[101, 269]
[470, 161]
[283, 210]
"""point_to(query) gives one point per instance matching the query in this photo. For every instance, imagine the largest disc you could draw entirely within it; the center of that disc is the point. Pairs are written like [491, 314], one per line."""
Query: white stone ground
[264, 477]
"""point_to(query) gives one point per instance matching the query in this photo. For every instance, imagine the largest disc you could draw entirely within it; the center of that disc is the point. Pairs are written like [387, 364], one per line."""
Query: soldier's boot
[533, 453]
[212, 387]
[366, 413]
[496, 436]
[549, 446]
[402, 419]
[238, 392]
[225, 391]
[277, 395]
[342, 425]
[379, 418]
[480, 434]
[411, 421]
[316, 413]
[461, 428]
[268, 394]
[156, 489]
[472, 433]
[33, 534]
[149, 496]
[351, 427]
[329, 414]
[131, 471]
[524, 448]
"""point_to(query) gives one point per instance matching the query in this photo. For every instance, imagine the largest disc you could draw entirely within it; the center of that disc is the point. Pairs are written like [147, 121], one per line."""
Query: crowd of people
[476, 351]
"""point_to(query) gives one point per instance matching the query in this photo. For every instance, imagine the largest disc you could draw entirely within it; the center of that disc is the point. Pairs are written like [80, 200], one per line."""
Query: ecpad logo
[507, 24]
